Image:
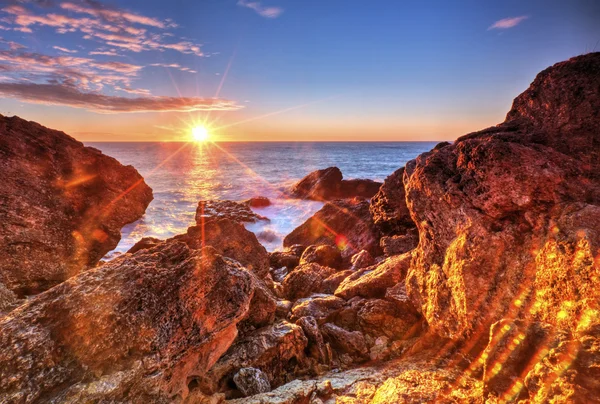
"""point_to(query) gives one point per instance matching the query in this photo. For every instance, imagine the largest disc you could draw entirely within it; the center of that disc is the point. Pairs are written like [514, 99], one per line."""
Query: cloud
[267, 12]
[60, 48]
[110, 52]
[174, 66]
[58, 94]
[508, 22]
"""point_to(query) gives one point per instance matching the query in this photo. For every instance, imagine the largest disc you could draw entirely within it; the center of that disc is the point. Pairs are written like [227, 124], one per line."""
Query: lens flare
[200, 134]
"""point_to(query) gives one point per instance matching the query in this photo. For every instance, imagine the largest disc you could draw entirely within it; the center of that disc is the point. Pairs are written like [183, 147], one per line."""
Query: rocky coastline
[471, 275]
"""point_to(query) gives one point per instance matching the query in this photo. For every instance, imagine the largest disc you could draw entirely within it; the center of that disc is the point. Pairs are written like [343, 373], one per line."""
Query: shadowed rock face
[509, 217]
[62, 205]
[138, 328]
[327, 184]
[388, 206]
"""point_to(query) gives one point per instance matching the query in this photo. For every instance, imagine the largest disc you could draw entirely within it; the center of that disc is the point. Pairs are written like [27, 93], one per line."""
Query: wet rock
[375, 280]
[395, 245]
[512, 212]
[318, 306]
[208, 211]
[331, 284]
[277, 350]
[232, 240]
[63, 205]
[346, 224]
[136, 329]
[279, 259]
[144, 244]
[325, 255]
[388, 206]
[251, 381]
[305, 280]
[258, 202]
[344, 341]
[361, 259]
[327, 184]
[318, 349]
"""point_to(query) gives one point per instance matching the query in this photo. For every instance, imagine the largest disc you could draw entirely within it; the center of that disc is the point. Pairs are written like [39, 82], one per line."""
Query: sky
[279, 70]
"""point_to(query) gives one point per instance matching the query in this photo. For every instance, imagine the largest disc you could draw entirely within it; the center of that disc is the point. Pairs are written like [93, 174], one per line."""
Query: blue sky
[298, 70]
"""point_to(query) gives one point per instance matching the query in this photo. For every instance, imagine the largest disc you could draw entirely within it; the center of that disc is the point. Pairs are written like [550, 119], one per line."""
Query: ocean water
[181, 174]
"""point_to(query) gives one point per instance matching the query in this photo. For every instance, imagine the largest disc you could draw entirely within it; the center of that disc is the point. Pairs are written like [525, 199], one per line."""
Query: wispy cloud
[174, 66]
[267, 12]
[65, 50]
[59, 94]
[508, 22]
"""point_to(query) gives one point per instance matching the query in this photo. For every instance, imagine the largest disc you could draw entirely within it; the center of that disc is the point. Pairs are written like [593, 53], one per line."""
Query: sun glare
[200, 134]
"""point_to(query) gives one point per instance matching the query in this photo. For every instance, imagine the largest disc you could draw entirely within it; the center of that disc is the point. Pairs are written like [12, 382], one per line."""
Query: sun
[200, 134]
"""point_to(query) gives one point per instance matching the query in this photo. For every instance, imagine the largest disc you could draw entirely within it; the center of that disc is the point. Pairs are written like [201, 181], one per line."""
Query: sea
[181, 174]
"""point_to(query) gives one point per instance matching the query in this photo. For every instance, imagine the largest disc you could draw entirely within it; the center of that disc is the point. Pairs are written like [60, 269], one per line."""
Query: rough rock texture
[317, 347]
[327, 184]
[280, 259]
[318, 306]
[325, 255]
[375, 280]
[235, 211]
[258, 202]
[344, 341]
[8, 300]
[62, 205]
[509, 217]
[136, 329]
[394, 245]
[305, 280]
[143, 244]
[361, 260]
[346, 224]
[388, 206]
[277, 350]
[232, 240]
[251, 381]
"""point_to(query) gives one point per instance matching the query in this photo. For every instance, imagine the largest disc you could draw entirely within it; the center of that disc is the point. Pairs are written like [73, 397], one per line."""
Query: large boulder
[346, 224]
[62, 205]
[235, 211]
[327, 184]
[137, 329]
[510, 216]
[388, 206]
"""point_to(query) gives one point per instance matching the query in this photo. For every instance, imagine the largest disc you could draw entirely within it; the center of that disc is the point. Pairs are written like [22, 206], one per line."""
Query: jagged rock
[318, 306]
[8, 300]
[346, 224]
[136, 329]
[388, 206]
[318, 349]
[144, 244]
[361, 259]
[327, 184]
[276, 350]
[395, 245]
[258, 202]
[251, 381]
[279, 274]
[375, 280]
[512, 213]
[232, 240]
[325, 255]
[331, 284]
[208, 211]
[280, 259]
[344, 341]
[63, 205]
[263, 307]
[305, 280]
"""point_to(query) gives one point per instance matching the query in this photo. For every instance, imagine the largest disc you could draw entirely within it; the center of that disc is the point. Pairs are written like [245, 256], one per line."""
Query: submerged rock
[222, 209]
[258, 202]
[327, 184]
[346, 224]
[63, 205]
[137, 329]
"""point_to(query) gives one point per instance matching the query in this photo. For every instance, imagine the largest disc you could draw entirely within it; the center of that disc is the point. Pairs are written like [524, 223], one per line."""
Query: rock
[361, 259]
[325, 255]
[346, 224]
[331, 284]
[318, 306]
[251, 381]
[279, 259]
[136, 329]
[276, 350]
[305, 280]
[344, 341]
[388, 206]
[63, 205]
[511, 214]
[262, 307]
[283, 308]
[317, 347]
[327, 184]
[395, 245]
[399, 296]
[8, 300]
[232, 240]
[208, 211]
[279, 274]
[144, 244]
[258, 202]
[375, 280]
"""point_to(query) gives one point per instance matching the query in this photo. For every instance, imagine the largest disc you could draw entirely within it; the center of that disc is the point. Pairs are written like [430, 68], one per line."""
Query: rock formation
[327, 184]
[237, 211]
[62, 205]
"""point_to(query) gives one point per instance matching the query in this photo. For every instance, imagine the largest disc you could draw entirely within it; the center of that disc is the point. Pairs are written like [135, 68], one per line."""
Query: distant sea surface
[181, 174]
